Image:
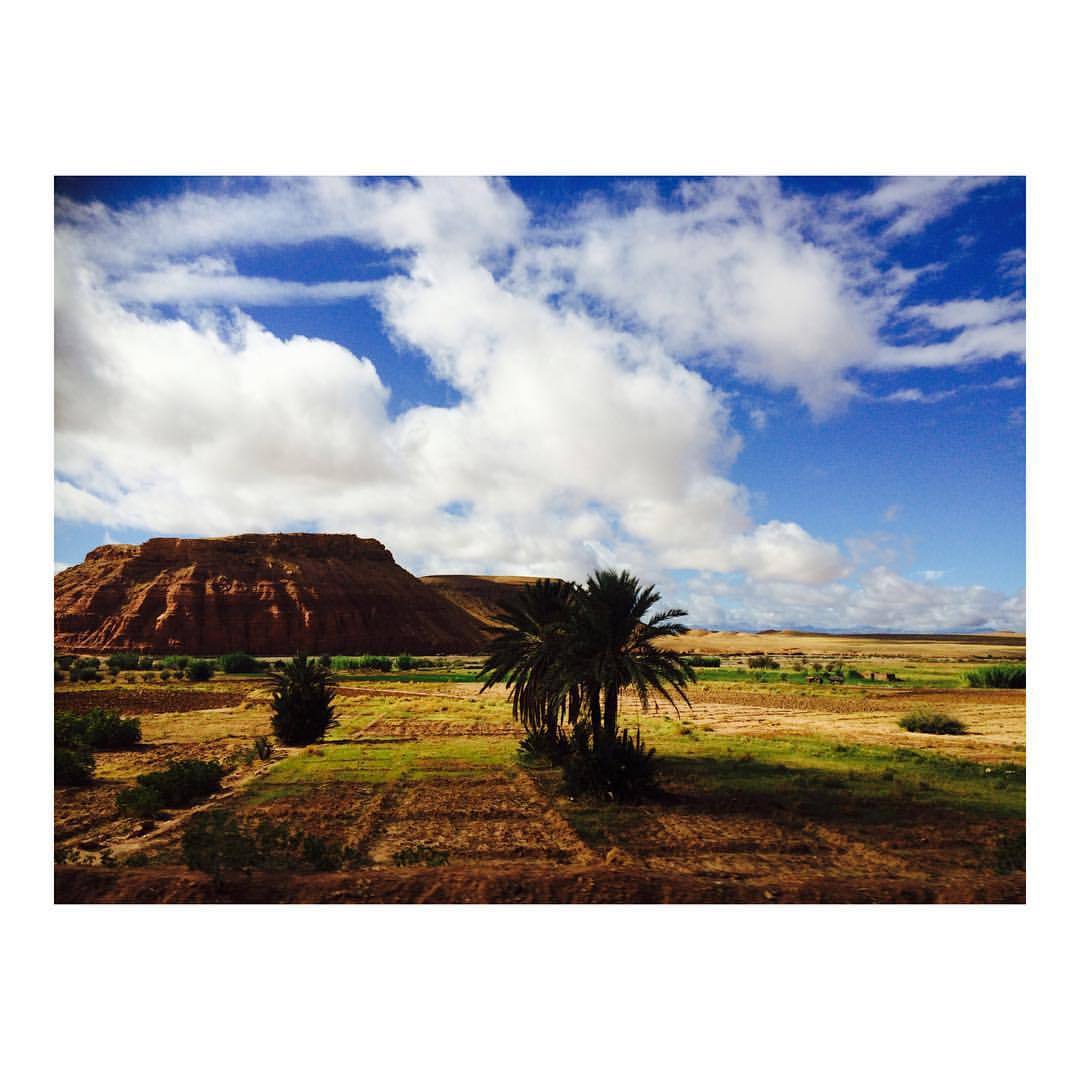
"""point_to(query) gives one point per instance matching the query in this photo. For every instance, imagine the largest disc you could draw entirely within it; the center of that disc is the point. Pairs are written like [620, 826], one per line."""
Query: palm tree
[529, 654]
[302, 701]
[567, 649]
[614, 648]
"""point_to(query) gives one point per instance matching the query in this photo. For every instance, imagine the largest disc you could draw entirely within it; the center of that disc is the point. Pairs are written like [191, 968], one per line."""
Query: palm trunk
[573, 707]
[594, 709]
[611, 710]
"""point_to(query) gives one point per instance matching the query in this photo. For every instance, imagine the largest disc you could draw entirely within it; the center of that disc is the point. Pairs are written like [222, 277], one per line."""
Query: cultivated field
[772, 792]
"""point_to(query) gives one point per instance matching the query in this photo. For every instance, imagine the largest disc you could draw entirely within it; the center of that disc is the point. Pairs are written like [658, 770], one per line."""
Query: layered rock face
[482, 597]
[269, 595]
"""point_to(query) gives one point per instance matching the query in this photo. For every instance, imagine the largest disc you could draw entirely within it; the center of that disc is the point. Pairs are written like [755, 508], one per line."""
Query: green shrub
[166, 675]
[302, 702]
[176, 662]
[928, 722]
[764, 662]
[263, 748]
[1010, 853]
[72, 765]
[620, 769]
[326, 660]
[123, 661]
[215, 841]
[99, 729]
[200, 670]
[704, 661]
[999, 677]
[405, 662]
[85, 674]
[369, 662]
[139, 802]
[65, 662]
[181, 784]
[545, 746]
[90, 663]
[238, 663]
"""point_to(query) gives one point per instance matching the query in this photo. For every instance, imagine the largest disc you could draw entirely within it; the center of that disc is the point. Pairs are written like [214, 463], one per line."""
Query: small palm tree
[302, 701]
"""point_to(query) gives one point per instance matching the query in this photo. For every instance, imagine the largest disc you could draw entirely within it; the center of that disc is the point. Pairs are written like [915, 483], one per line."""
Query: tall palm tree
[528, 656]
[568, 650]
[614, 648]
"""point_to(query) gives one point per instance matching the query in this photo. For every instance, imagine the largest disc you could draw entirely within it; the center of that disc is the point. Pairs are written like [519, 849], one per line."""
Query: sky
[788, 402]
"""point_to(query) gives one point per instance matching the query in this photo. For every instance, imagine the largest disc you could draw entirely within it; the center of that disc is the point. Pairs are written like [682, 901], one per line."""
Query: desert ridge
[270, 594]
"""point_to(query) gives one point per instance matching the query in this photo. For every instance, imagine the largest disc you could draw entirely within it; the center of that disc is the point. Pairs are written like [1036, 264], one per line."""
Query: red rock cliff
[264, 594]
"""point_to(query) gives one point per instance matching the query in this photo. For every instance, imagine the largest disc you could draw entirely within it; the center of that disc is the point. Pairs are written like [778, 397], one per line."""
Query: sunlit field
[773, 788]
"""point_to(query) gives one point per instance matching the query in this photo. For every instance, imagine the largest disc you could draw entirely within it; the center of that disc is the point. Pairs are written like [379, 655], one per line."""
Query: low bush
[239, 663]
[543, 746]
[139, 802]
[1010, 853]
[98, 729]
[999, 677]
[364, 662]
[123, 661]
[65, 662]
[326, 660]
[176, 662]
[200, 671]
[928, 722]
[621, 769]
[181, 784]
[405, 662]
[215, 841]
[89, 662]
[72, 766]
[85, 674]
[764, 662]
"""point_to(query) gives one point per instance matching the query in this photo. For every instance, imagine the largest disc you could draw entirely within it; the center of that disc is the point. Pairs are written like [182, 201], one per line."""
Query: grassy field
[770, 792]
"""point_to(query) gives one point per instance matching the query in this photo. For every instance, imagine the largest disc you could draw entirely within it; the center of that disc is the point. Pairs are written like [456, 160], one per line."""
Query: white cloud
[910, 203]
[881, 599]
[571, 437]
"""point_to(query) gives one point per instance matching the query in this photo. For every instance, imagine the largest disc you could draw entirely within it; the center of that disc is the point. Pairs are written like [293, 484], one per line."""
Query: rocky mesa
[265, 594]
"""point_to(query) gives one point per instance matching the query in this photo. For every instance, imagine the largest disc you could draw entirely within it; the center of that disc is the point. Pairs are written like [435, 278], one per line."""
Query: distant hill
[482, 597]
[266, 594]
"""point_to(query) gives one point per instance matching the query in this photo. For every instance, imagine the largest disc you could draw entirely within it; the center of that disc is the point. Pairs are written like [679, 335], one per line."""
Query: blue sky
[790, 402]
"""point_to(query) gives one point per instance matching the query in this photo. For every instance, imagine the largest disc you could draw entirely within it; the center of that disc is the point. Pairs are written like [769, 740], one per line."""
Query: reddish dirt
[481, 885]
[146, 700]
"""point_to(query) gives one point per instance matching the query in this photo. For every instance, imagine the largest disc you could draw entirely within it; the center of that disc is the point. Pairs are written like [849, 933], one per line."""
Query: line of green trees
[567, 653]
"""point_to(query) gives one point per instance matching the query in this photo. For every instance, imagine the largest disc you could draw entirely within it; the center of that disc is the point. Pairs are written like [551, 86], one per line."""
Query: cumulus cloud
[583, 434]
[881, 599]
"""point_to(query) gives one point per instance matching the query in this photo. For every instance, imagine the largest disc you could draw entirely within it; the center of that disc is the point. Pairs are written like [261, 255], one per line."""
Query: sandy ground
[997, 646]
